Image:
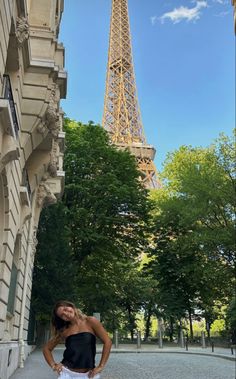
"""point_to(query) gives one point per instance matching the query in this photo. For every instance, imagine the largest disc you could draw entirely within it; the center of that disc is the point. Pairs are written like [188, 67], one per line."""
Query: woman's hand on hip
[58, 367]
[95, 371]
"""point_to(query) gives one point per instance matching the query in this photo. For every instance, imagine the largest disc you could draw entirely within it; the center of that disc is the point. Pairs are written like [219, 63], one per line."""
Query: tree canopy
[193, 227]
[99, 228]
[106, 201]
[112, 247]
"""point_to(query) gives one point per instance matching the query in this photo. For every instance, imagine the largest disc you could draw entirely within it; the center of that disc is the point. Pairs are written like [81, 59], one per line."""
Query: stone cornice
[45, 195]
[53, 164]
[51, 118]
[22, 30]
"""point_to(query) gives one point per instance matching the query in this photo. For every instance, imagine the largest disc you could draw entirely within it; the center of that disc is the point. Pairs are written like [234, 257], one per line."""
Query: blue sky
[184, 66]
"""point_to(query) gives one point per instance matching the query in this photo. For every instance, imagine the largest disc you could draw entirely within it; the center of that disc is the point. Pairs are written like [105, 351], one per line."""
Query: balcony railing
[8, 95]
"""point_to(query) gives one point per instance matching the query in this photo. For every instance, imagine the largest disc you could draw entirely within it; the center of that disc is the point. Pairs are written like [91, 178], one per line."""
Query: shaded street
[151, 365]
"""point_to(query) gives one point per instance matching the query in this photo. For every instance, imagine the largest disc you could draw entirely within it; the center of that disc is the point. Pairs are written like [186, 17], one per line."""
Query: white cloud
[153, 20]
[184, 13]
[221, 1]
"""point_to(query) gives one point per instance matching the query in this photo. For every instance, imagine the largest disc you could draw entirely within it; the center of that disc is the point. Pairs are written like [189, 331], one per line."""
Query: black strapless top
[80, 351]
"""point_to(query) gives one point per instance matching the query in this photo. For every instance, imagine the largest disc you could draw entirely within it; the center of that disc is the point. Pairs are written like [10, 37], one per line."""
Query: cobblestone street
[142, 366]
[168, 366]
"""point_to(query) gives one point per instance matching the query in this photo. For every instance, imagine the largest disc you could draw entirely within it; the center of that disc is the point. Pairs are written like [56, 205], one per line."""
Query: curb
[233, 358]
[138, 351]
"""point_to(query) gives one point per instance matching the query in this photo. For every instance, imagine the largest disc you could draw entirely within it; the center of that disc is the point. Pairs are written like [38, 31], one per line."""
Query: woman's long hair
[58, 324]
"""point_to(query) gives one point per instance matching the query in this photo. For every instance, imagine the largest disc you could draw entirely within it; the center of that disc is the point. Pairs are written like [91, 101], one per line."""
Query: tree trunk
[208, 328]
[190, 324]
[131, 328]
[132, 334]
[147, 324]
[171, 329]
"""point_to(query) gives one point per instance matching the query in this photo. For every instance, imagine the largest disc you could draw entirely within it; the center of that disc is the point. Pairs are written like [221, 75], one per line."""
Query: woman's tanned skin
[76, 324]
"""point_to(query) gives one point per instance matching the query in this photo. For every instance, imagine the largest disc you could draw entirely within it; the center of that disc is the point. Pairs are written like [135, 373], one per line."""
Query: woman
[79, 333]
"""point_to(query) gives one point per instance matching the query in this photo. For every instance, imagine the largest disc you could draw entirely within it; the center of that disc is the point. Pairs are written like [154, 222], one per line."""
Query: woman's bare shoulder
[94, 324]
[91, 320]
[98, 329]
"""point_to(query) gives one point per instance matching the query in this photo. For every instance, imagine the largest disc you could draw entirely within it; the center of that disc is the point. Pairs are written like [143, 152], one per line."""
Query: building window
[12, 290]
[8, 94]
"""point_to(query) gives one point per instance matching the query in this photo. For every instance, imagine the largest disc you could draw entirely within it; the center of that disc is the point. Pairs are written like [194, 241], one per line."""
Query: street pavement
[149, 362]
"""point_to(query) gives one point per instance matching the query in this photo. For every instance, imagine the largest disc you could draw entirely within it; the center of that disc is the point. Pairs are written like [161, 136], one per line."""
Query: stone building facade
[32, 81]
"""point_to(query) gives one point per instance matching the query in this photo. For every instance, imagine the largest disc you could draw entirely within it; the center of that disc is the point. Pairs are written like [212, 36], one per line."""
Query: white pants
[68, 374]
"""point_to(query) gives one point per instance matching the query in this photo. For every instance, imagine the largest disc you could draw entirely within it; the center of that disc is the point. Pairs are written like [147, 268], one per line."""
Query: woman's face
[66, 313]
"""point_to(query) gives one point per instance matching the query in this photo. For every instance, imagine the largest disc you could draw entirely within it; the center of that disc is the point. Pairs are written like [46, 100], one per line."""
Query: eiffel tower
[121, 117]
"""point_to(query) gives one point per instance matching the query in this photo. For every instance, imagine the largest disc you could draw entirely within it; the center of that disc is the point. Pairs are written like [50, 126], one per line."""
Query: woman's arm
[47, 352]
[101, 333]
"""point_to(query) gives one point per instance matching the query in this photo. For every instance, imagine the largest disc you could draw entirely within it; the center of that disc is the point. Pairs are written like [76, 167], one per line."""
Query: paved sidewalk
[36, 368]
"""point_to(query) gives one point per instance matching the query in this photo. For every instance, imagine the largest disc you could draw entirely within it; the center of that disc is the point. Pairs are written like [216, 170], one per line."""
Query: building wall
[32, 82]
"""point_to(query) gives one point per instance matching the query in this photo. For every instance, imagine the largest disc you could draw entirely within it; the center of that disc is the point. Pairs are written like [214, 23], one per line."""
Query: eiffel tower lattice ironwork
[121, 116]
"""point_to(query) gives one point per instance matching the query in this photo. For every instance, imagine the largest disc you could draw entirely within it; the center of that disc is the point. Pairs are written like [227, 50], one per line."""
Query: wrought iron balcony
[8, 95]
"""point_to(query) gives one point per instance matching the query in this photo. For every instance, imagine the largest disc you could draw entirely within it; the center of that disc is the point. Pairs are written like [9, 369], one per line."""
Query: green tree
[177, 264]
[204, 179]
[193, 225]
[54, 269]
[106, 201]
[231, 320]
[99, 227]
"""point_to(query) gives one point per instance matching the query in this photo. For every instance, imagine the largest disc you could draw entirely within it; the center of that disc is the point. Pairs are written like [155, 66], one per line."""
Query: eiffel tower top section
[121, 112]
[121, 117]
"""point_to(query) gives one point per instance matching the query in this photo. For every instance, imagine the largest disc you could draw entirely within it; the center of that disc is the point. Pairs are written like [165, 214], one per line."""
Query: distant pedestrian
[79, 333]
